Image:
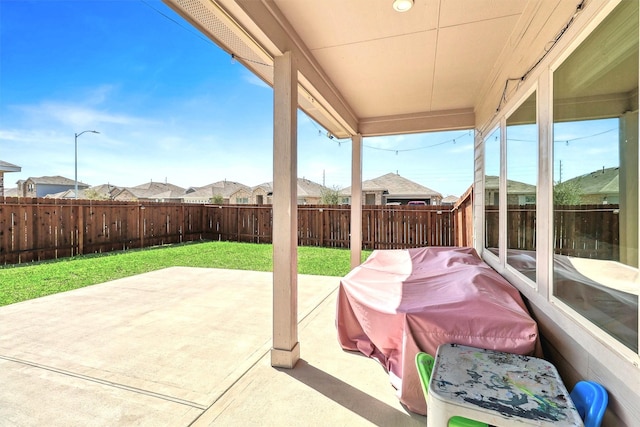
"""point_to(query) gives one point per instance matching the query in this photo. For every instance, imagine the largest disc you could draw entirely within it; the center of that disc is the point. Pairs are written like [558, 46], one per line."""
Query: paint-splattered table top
[497, 388]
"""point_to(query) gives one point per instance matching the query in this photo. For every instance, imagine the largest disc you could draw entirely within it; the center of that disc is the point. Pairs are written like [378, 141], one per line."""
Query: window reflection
[596, 177]
[492, 191]
[522, 178]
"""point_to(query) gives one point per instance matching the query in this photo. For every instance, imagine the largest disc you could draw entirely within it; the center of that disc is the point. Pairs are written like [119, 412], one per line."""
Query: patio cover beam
[461, 119]
[277, 35]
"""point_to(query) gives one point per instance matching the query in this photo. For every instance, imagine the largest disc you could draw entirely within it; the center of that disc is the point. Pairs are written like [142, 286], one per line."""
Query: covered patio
[184, 347]
[362, 69]
[180, 347]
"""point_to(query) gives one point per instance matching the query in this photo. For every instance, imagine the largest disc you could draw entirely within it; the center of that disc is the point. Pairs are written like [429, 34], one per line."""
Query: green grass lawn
[27, 281]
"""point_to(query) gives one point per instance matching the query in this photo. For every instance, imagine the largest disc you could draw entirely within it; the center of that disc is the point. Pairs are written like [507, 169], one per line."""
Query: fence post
[81, 228]
[141, 225]
[238, 224]
[203, 221]
[321, 212]
[182, 224]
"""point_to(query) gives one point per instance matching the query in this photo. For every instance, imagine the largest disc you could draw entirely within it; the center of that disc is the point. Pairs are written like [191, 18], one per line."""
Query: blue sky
[579, 148]
[169, 105]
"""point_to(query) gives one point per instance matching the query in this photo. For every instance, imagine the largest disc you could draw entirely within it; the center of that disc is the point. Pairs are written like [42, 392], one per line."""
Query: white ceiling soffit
[229, 27]
[364, 68]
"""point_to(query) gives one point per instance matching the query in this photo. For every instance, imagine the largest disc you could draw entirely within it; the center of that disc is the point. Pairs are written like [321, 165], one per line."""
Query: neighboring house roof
[123, 194]
[602, 181]
[450, 200]
[148, 191]
[223, 188]
[54, 180]
[11, 192]
[100, 192]
[204, 193]
[266, 186]
[9, 167]
[395, 185]
[305, 188]
[104, 191]
[492, 182]
[157, 190]
[67, 194]
[308, 188]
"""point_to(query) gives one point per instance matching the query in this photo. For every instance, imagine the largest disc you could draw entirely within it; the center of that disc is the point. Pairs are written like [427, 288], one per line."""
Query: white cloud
[30, 136]
[254, 80]
[99, 94]
[77, 116]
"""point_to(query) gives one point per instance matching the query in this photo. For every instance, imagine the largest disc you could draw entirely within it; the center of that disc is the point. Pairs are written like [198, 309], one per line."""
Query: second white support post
[356, 200]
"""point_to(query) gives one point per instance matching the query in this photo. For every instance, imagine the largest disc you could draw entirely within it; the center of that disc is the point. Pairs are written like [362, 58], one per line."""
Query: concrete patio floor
[184, 347]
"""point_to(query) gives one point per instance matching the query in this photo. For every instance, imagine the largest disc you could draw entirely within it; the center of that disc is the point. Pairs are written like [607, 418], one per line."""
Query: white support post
[356, 200]
[502, 205]
[479, 199]
[544, 195]
[286, 349]
[628, 188]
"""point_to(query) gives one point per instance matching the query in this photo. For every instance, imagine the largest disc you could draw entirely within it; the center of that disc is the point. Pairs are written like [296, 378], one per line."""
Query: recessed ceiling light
[402, 5]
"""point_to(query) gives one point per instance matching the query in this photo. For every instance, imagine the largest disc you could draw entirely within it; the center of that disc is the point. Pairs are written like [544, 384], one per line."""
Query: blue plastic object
[424, 363]
[591, 400]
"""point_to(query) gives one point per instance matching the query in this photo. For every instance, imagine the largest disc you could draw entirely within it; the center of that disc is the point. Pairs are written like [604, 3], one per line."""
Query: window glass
[595, 193]
[492, 191]
[522, 178]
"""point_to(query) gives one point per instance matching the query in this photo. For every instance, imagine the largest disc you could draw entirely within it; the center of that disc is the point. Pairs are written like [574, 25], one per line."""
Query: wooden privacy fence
[383, 227]
[40, 229]
[587, 231]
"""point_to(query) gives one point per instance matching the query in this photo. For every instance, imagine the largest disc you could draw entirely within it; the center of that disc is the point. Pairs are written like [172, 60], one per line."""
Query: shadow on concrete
[351, 398]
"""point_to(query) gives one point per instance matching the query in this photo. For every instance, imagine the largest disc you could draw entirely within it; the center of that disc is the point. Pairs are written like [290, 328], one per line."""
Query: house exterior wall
[309, 200]
[380, 198]
[576, 346]
[491, 197]
[240, 197]
[599, 199]
[125, 196]
[200, 200]
[27, 188]
[259, 196]
[372, 197]
[44, 189]
[194, 201]
[161, 199]
[30, 188]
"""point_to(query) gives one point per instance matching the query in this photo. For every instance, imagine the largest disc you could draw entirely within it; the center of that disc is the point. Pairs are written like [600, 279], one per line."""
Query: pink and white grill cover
[399, 302]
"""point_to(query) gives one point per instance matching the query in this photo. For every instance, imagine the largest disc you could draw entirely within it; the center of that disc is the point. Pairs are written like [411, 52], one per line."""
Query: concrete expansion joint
[104, 382]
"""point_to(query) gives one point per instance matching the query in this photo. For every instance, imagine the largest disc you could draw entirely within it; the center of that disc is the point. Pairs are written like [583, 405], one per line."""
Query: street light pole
[76, 161]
